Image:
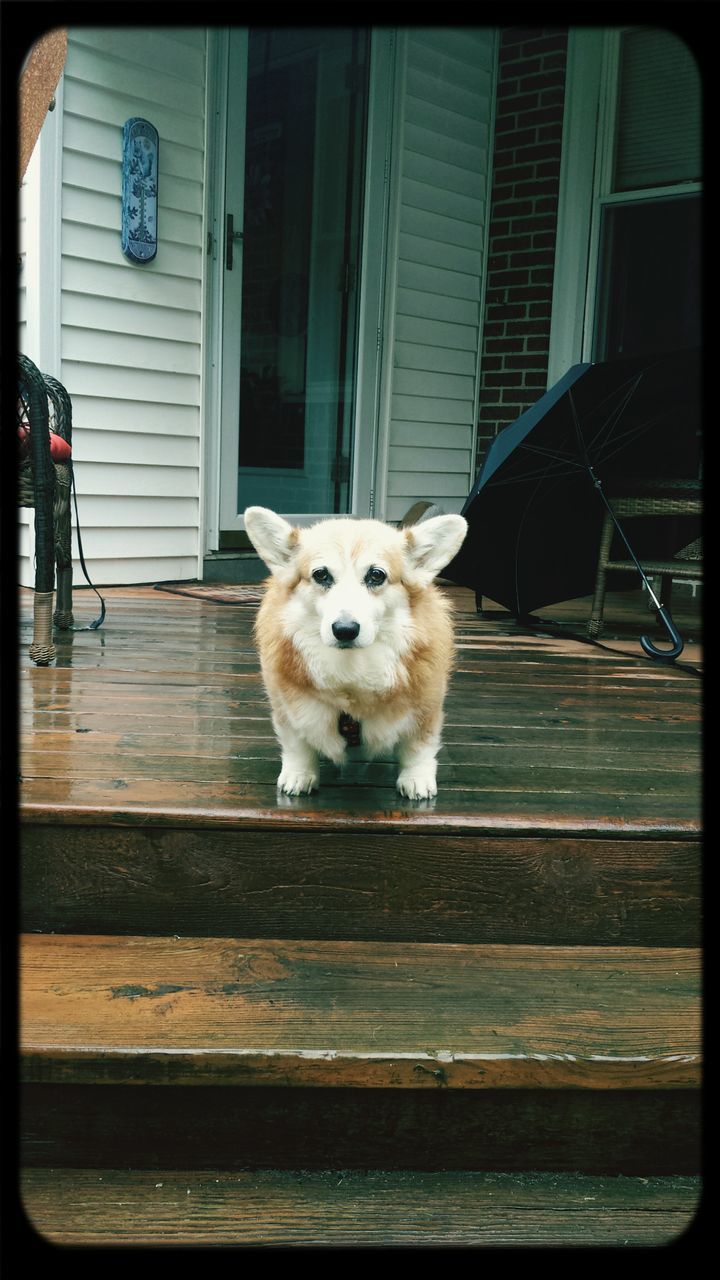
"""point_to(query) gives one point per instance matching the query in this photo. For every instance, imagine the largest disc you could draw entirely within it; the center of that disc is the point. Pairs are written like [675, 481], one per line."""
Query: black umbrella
[536, 511]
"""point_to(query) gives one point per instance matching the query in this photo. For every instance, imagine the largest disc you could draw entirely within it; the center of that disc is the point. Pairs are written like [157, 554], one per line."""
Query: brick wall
[526, 168]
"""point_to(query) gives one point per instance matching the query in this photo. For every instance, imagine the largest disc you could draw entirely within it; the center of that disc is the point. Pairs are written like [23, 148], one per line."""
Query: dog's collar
[349, 729]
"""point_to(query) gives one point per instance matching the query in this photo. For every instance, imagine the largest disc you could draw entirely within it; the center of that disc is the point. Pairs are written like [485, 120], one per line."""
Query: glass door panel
[292, 339]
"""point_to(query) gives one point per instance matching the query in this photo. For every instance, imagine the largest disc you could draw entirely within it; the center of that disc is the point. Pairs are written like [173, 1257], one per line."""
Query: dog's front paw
[296, 782]
[417, 784]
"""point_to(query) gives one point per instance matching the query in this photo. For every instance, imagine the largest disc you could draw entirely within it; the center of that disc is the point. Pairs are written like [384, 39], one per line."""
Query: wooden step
[233, 1011]
[544, 737]
[359, 1054]
[598, 1131]
[362, 885]
[270, 1207]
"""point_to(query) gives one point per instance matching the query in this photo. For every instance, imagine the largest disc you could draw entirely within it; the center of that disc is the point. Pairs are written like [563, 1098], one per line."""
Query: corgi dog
[355, 642]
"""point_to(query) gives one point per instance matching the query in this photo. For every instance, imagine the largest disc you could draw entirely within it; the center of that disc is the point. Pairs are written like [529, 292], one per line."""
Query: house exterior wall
[130, 336]
[446, 83]
[28, 188]
[523, 223]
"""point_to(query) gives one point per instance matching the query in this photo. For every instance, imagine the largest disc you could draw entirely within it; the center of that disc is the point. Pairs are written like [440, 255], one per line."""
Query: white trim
[235, 113]
[575, 200]
[678, 189]
[494, 79]
[42, 270]
[215, 144]
[604, 148]
[373, 269]
[394, 160]
[44, 239]
[607, 110]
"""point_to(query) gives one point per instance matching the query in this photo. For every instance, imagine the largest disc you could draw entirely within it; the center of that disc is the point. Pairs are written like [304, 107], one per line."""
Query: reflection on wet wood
[162, 715]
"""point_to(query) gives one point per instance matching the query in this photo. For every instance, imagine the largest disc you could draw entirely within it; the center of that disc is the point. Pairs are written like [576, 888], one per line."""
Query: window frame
[586, 174]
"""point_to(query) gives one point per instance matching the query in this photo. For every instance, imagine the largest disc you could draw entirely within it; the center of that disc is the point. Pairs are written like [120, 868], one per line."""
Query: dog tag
[349, 729]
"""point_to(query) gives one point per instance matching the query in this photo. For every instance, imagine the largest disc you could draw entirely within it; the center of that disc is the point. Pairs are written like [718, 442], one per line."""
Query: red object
[60, 450]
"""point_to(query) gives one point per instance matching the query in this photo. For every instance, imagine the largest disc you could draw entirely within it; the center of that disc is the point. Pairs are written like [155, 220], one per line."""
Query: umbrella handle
[666, 655]
[678, 644]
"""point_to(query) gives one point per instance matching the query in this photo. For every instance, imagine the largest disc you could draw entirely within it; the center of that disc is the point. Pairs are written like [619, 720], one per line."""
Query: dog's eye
[323, 577]
[375, 577]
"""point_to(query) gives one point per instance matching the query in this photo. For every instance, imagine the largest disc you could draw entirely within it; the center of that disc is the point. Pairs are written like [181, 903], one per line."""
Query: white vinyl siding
[130, 339]
[435, 293]
[25, 193]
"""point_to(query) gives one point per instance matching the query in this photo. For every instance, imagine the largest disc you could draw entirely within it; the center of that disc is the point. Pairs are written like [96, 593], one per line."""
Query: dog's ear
[272, 537]
[432, 544]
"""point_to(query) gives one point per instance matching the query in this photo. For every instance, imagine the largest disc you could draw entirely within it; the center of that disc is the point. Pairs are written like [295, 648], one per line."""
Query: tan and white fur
[351, 622]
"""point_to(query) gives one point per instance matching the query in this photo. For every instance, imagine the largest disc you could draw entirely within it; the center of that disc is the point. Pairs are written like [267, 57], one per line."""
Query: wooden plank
[492, 656]
[272, 1207]
[118, 801]
[497, 672]
[542, 735]
[604, 1131]
[52, 720]
[468, 776]
[249, 702]
[360, 886]
[255, 739]
[358, 1014]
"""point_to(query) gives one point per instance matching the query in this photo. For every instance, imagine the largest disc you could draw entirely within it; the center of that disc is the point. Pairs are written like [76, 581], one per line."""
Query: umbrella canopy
[535, 512]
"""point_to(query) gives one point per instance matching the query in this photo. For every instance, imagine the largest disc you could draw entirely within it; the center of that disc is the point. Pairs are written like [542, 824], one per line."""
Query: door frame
[372, 280]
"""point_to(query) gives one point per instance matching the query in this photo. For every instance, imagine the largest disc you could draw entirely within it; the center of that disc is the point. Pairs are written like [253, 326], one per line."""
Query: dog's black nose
[345, 630]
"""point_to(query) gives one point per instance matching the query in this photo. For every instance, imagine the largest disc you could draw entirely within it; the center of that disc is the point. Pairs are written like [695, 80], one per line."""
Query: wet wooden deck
[209, 933]
[160, 718]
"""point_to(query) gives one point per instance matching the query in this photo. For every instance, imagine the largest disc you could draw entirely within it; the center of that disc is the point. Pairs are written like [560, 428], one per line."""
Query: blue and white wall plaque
[139, 190]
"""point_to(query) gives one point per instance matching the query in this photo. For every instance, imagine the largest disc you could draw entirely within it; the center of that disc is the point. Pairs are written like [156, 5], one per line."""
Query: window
[628, 266]
[647, 295]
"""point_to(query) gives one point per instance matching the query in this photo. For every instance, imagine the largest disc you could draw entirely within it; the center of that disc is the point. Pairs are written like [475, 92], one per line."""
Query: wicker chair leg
[42, 649]
[63, 615]
[595, 622]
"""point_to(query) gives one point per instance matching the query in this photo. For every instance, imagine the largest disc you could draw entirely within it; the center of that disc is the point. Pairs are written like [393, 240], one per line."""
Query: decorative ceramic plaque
[139, 190]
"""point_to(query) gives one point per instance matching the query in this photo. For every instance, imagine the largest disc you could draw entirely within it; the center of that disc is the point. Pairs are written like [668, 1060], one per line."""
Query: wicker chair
[60, 421]
[667, 498]
[44, 404]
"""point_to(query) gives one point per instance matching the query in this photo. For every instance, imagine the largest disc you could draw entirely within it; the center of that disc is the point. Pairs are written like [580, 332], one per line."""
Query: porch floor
[160, 718]
[249, 978]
